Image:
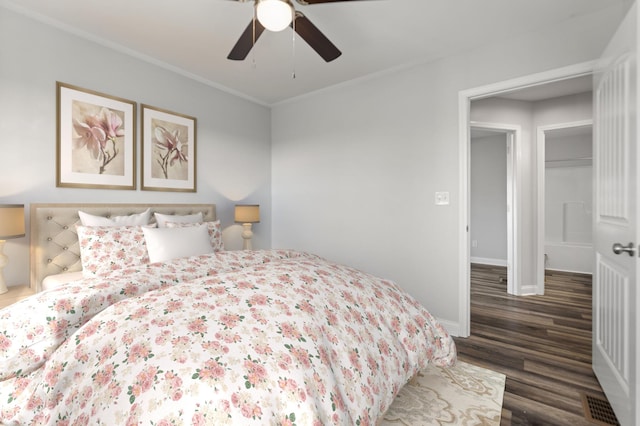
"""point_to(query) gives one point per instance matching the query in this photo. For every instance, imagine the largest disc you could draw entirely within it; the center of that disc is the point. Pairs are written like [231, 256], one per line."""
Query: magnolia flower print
[171, 150]
[98, 133]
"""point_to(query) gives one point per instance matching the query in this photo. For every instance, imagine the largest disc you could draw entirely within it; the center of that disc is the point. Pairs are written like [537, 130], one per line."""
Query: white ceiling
[194, 37]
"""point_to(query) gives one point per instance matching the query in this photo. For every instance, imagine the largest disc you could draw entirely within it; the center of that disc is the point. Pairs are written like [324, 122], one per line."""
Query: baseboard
[488, 261]
[568, 270]
[452, 327]
[528, 290]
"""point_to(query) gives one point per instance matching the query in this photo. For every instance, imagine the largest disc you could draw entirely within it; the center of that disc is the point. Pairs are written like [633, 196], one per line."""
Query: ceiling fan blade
[246, 41]
[314, 37]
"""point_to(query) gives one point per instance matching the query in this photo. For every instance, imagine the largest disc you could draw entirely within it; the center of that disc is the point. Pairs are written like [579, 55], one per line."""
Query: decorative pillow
[132, 220]
[162, 219]
[171, 243]
[104, 249]
[215, 232]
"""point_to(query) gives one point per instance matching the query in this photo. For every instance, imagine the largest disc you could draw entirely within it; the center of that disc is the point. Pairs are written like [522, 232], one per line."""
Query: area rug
[462, 395]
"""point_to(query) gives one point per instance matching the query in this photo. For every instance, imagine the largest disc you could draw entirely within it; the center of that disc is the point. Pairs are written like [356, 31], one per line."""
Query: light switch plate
[442, 198]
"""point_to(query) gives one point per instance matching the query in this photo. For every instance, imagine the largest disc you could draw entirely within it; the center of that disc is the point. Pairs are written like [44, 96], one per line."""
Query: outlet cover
[442, 198]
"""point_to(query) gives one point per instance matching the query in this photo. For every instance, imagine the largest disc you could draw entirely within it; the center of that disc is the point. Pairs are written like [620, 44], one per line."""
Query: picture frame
[168, 150]
[96, 139]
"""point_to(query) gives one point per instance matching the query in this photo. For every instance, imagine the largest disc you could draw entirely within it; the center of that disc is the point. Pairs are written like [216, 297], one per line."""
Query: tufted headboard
[54, 241]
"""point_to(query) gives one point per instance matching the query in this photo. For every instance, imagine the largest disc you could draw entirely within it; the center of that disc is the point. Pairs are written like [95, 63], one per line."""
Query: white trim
[348, 83]
[488, 261]
[528, 290]
[569, 271]
[513, 200]
[559, 74]
[540, 172]
[464, 250]
[451, 327]
[464, 100]
[514, 142]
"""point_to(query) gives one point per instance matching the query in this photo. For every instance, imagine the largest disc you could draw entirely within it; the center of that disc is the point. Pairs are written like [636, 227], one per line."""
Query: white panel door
[615, 303]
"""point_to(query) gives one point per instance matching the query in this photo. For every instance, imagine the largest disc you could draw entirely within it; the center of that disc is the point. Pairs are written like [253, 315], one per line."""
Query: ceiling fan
[276, 15]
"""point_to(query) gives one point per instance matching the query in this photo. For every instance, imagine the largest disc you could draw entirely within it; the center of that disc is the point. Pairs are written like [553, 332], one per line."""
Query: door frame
[540, 171]
[513, 140]
[464, 109]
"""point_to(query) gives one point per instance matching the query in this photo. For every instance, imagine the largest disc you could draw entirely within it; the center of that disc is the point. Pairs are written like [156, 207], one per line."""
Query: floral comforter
[238, 337]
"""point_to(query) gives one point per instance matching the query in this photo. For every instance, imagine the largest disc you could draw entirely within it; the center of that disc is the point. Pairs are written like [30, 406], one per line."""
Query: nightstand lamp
[246, 214]
[11, 226]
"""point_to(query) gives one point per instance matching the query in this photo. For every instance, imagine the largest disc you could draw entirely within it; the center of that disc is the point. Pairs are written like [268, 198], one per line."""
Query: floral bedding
[237, 337]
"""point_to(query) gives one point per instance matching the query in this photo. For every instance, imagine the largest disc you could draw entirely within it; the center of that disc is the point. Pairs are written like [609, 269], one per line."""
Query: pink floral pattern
[105, 249]
[241, 337]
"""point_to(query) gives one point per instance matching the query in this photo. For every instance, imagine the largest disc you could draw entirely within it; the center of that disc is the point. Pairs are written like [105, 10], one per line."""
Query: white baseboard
[568, 270]
[452, 327]
[487, 261]
[528, 290]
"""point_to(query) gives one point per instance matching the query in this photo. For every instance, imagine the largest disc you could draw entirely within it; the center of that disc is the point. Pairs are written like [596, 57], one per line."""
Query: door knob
[619, 249]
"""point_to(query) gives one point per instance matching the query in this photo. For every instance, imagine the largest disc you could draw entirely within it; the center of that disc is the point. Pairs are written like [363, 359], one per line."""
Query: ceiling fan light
[274, 15]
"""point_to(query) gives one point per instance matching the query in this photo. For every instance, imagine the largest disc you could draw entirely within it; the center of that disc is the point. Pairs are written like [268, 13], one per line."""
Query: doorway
[550, 80]
[565, 175]
[493, 194]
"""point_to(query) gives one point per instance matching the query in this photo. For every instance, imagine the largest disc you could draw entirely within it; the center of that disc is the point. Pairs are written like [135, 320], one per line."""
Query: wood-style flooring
[541, 343]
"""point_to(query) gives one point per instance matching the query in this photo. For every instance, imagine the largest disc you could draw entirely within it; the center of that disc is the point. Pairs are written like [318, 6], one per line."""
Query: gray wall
[350, 173]
[356, 167]
[568, 188]
[488, 199]
[233, 135]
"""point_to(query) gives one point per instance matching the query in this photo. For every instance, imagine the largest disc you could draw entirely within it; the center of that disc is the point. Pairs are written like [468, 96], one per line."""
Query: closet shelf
[570, 162]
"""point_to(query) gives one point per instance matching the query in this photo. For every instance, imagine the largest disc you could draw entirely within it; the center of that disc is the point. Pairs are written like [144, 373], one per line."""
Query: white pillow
[138, 219]
[171, 243]
[215, 233]
[162, 219]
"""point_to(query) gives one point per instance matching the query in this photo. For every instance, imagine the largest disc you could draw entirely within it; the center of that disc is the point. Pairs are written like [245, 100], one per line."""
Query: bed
[152, 330]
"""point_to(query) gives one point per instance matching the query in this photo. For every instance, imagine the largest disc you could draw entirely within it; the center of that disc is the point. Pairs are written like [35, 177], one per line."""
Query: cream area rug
[462, 395]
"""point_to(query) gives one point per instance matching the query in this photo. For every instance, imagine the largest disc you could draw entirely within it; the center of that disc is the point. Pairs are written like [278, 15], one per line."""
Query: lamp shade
[11, 221]
[274, 15]
[247, 213]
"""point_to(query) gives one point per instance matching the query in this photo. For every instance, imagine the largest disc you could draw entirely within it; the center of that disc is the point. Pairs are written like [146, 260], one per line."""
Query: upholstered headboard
[54, 241]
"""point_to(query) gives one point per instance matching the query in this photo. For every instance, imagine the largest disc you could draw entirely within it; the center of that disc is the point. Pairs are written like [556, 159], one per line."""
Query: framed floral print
[96, 139]
[168, 150]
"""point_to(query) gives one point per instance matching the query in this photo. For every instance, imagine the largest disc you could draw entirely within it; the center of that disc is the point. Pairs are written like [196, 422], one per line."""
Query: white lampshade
[11, 221]
[274, 15]
[247, 213]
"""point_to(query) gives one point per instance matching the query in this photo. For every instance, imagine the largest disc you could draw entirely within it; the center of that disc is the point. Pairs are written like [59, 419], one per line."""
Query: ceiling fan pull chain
[293, 44]
[253, 40]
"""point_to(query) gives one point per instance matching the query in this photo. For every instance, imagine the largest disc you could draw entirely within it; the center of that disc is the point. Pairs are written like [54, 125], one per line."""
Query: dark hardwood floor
[541, 343]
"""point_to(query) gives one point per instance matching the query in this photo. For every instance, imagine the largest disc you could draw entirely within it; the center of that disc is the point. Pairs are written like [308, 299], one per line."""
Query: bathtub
[569, 257]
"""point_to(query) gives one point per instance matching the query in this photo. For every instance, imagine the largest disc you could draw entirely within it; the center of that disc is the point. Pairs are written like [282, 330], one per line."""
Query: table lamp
[247, 214]
[11, 226]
